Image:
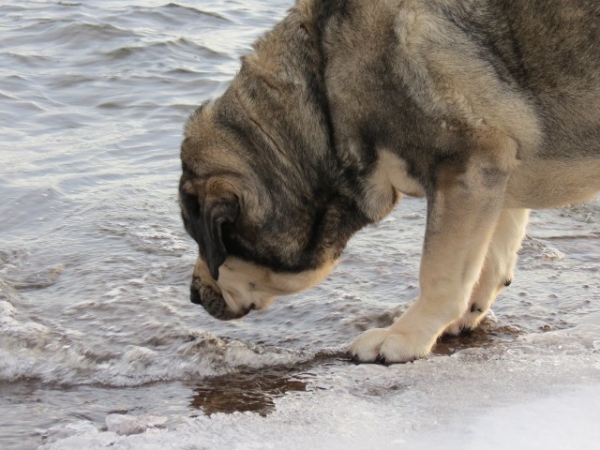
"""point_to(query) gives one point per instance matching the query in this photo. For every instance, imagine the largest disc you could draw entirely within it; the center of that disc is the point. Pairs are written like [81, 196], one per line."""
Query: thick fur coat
[486, 108]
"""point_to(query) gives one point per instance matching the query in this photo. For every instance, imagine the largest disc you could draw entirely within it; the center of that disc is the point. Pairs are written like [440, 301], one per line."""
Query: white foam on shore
[539, 392]
[30, 350]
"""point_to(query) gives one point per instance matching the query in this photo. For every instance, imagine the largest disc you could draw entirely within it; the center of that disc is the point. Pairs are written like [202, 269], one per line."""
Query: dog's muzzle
[213, 302]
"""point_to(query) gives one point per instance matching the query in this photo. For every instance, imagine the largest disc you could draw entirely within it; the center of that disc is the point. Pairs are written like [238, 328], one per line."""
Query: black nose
[212, 301]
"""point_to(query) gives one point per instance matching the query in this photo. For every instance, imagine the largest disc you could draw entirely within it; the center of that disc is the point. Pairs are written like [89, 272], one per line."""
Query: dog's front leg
[498, 268]
[463, 210]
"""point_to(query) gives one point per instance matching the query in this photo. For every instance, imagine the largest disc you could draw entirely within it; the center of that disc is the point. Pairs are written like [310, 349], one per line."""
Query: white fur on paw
[381, 344]
[366, 346]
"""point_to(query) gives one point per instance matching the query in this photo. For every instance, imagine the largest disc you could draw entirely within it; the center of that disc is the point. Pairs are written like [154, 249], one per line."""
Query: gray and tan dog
[484, 107]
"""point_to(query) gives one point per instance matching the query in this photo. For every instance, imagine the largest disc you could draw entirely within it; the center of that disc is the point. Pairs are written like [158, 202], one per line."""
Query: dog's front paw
[385, 346]
[469, 321]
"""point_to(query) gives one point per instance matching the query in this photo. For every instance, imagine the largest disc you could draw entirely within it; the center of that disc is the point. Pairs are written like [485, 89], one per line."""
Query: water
[95, 318]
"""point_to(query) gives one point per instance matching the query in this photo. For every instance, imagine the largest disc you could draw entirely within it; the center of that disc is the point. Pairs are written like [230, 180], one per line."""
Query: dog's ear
[215, 214]
[209, 209]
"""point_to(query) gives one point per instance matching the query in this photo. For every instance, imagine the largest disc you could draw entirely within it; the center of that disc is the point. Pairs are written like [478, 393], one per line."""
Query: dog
[485, 108]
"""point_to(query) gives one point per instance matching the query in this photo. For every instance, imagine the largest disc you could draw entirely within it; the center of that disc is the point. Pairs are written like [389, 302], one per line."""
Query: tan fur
[446, 77]
[245, 285]
[498, 268]
[545, 183]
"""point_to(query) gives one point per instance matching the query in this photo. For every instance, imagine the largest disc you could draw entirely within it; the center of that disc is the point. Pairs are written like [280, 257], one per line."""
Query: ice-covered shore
[541, 391]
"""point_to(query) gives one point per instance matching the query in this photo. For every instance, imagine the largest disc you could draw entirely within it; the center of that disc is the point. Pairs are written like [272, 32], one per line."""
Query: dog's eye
[190, 203]
[229, 235]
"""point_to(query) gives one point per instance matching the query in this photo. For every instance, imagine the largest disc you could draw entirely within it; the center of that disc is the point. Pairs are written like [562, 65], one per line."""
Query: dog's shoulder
[451, 69]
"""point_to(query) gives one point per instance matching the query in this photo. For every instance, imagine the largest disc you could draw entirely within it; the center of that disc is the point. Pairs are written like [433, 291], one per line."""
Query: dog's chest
[389, 177]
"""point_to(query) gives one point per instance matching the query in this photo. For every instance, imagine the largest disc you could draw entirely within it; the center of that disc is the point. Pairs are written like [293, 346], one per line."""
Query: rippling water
[95, 264]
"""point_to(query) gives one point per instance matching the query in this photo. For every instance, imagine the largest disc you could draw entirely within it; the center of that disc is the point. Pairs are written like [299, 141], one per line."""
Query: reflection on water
[246, 391]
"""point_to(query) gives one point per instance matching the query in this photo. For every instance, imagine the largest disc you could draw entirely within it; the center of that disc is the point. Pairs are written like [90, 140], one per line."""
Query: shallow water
[95, 317]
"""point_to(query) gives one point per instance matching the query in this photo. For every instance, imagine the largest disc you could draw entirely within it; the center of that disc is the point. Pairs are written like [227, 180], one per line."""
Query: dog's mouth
[242, 287]
[216, 303]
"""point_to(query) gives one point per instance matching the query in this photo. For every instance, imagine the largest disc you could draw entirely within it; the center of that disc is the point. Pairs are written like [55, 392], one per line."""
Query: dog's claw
[380, 360]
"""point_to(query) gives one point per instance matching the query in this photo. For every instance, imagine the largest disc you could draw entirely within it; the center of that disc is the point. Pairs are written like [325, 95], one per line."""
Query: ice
[79, 428]
[124, 425]
[568, 420]
[342, 421]
[7, 313]
[538, 392]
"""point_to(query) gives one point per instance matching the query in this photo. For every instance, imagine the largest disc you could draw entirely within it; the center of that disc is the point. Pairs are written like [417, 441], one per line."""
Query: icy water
[98, 339]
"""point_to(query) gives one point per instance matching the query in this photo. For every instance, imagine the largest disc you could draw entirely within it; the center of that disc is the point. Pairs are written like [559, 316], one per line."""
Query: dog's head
[268, 219]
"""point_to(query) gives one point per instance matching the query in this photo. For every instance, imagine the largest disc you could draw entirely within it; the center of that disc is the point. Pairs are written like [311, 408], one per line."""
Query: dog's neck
[287, 73]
